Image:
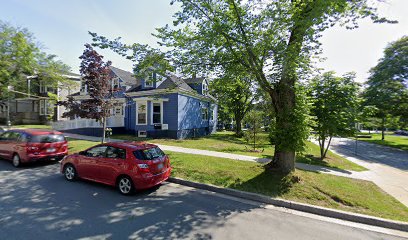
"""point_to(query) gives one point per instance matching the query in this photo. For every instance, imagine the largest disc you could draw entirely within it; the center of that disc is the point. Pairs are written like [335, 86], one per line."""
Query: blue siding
[189, 113]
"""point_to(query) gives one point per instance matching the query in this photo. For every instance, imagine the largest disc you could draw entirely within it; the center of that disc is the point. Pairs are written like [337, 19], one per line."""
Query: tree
[335, 102]
[96, 75]
[271, 40]
[21, 57]
[234, 96]
[387, 85]
[254, 120]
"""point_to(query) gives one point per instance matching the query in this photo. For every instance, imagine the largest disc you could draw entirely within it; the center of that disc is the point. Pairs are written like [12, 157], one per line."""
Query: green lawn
[391, 140]
[227, 142]
[313, 188]
[32, 126]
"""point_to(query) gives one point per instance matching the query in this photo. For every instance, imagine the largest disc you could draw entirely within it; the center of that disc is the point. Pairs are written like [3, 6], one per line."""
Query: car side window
[113, 152]
[23, 137]
[5, 136]
[96, 151]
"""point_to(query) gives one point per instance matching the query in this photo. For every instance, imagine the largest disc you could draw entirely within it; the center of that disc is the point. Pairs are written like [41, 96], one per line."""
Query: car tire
[16, 161]
[125, 185]
[70, 172]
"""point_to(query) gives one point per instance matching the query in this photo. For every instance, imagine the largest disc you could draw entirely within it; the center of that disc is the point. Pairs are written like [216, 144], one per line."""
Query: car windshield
[51, 138]
[149, 154]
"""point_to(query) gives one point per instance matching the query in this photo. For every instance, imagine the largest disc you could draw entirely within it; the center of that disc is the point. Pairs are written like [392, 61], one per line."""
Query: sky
[61, 26]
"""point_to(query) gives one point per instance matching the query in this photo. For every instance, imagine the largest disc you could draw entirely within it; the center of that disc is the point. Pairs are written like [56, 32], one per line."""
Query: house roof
[127, 77]
[174, 82]
[194, 80]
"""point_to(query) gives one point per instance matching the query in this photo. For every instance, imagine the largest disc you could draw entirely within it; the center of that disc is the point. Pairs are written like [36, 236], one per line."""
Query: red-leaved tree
[96, 76]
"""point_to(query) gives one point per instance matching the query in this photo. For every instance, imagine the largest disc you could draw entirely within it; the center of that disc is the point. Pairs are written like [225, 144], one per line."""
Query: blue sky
[62, 27]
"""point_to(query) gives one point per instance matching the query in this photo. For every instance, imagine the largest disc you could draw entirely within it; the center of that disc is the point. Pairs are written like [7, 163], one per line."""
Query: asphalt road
[36, 202]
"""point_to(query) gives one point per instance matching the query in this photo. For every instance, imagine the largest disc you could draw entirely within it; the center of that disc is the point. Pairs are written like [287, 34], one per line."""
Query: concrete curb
[353, 217]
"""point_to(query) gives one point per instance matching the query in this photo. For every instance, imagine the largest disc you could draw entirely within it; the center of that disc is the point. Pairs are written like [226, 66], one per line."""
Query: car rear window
[50, 138]
[149, 154]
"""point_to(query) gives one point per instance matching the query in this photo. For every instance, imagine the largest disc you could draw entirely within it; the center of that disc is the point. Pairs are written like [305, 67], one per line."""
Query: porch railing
[114, 121]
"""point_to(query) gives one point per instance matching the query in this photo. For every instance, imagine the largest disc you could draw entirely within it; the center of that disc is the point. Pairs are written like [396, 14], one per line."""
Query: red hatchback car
[29, 145]
[129, 166]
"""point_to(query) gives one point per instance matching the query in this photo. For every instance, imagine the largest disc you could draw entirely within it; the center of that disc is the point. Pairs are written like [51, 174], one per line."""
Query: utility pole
[9, 88]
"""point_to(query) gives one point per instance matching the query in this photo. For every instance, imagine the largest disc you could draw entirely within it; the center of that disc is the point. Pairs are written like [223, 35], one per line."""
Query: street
[36, 202]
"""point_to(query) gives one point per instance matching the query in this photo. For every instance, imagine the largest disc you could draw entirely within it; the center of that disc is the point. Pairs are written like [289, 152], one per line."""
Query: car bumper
[153, 180]
[51, 157]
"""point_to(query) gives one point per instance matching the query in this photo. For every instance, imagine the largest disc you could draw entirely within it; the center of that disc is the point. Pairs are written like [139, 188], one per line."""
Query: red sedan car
[22, 146]
[129, 166]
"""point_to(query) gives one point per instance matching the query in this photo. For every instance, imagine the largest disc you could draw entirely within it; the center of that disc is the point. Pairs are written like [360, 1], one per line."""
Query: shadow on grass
[313, 160]
[269, 183]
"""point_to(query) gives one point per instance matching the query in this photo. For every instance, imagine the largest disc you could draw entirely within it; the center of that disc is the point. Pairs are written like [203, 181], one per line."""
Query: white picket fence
[114, 121]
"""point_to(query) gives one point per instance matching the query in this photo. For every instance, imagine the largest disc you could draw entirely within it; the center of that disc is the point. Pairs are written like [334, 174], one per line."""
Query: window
[149, 154]
[42, 107]
[96, 151]
[205, 88]
[115, 83]
[113, 152]
[83, 87]
[204, 113]
[118, 110]
[51, 138]
[45, 107]
[212, 113]
[157, 115]
[43, 88]
[141, 114]
[149, 80]
[142, 133]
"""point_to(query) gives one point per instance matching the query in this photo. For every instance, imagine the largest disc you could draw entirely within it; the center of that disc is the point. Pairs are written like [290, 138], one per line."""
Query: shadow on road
[48, 207]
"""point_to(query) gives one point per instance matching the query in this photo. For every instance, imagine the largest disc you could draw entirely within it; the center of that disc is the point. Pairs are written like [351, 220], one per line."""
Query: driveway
[37, 202]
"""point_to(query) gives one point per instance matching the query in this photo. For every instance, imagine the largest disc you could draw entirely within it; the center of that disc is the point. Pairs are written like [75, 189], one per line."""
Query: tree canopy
[271, 41]
[20, 56]
[387, 86]
[334, 107]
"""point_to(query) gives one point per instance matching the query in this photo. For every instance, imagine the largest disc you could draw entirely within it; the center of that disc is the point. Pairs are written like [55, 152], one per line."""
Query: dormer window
[149, 80]
[205, 88]
[115, 83]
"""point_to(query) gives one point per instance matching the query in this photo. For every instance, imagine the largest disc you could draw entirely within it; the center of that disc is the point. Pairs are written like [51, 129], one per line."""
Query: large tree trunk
[284, 156]
[238, 127]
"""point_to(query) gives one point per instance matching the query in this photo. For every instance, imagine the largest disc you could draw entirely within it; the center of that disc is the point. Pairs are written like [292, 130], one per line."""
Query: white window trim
[161, 112]
[137, 112]
[206, 108]
[150, 80]
[204, 89]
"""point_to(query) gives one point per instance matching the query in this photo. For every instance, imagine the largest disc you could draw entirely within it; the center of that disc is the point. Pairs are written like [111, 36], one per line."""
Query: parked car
[29, 145]
[129, 166]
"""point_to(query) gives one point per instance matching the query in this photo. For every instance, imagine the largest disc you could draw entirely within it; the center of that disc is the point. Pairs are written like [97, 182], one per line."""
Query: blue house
[156, 107]
[170, 107]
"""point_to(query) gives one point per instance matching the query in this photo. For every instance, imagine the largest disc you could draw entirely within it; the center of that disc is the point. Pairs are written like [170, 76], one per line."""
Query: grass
[229, 143]
[313, 188]
[32, 126]
[395, 141]
[76, 145]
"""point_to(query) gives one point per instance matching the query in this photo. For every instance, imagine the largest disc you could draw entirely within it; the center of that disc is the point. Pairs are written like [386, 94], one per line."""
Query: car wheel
[125, 185]
[70, 172]
[16, 160]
